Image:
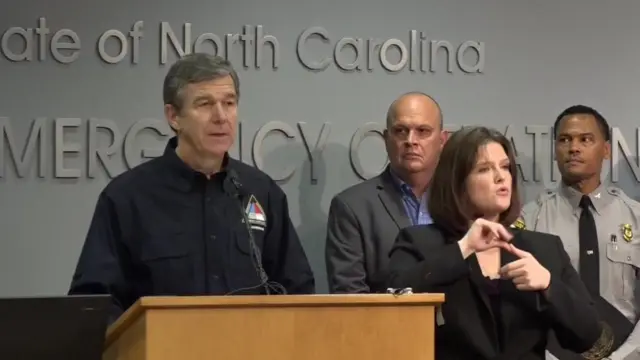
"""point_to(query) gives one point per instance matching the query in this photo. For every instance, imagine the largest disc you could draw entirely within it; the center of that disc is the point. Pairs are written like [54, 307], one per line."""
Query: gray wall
[537, 59]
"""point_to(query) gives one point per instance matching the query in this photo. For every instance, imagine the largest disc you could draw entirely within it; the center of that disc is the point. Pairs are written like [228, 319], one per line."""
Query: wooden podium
[283, 327]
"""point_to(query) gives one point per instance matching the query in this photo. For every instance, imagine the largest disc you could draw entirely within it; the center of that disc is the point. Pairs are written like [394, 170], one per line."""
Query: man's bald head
[416, 100]
[414, 136]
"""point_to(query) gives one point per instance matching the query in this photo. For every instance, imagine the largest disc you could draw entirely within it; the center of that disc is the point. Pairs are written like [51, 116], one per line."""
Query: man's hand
[526, 273]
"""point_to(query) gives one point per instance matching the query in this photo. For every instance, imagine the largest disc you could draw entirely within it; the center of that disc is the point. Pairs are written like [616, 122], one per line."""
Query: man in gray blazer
[365, 219]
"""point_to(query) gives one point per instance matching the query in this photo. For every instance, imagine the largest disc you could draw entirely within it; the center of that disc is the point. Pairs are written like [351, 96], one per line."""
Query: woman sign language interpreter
[506, 289]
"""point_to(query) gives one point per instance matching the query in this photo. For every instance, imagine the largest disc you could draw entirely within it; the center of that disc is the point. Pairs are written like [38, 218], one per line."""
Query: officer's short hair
[449, 204]
[584, 110]
[194, 68]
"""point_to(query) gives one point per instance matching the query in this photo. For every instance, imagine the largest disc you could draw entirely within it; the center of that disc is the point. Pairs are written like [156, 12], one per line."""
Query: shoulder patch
[519, 224]
[256, 215]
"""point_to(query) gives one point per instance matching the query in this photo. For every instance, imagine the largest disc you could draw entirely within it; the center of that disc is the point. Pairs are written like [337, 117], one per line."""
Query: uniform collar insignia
[600, 198]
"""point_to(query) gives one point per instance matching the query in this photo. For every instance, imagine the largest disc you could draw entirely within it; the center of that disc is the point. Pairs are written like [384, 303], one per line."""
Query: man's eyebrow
[578, 134]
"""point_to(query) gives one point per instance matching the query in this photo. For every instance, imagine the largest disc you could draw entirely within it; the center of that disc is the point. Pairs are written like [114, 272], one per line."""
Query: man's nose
[574, 146]
[219, 113]
[412, 137]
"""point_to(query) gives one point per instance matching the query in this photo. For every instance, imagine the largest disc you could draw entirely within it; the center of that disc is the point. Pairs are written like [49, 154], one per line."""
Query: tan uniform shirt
[618, 222]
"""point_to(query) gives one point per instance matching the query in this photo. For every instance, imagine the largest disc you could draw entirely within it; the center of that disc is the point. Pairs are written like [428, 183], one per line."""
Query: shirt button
[212, 237]
[215, 277]
[628, 258]
[208, 199]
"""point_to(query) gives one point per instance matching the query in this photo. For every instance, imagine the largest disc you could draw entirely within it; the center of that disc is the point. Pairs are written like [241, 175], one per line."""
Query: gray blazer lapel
[392, 201]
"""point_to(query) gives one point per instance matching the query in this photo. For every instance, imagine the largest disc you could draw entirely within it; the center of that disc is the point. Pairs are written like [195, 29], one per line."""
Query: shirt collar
[600, 197]
[401, 185]
[182, 174]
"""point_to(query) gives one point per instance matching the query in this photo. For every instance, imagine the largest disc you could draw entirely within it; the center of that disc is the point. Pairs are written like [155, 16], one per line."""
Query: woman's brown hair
[449, 205]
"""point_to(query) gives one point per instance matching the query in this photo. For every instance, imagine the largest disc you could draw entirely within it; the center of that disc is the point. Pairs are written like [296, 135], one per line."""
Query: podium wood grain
[295, 327]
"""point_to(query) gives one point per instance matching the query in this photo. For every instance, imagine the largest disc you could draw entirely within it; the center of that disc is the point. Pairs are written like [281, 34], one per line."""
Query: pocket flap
[624, 253]
[165, 247]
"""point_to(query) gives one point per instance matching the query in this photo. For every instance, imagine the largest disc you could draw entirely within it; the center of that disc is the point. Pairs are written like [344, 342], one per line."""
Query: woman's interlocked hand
[526, 272]
[484, 235]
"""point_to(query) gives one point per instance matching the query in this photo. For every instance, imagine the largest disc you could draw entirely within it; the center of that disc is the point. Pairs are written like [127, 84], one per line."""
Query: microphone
[237, 191]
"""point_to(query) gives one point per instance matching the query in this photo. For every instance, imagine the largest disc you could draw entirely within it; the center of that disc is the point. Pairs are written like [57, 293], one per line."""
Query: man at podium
[193, 221]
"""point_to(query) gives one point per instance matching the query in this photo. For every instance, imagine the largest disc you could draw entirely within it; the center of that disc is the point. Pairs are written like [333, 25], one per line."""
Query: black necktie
[589, 257]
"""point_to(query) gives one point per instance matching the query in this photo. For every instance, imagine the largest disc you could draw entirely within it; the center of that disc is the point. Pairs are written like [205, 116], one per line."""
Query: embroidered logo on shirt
[519, 224]
[627, 233]
[256, 215]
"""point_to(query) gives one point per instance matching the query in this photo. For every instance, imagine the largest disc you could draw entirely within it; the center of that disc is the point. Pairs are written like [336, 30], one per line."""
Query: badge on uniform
[519, 224]
[256, 215]
[627, 232]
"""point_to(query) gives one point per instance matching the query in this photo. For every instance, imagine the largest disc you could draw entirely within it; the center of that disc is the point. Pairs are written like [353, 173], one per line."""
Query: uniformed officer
[193, 221]
[599, 226]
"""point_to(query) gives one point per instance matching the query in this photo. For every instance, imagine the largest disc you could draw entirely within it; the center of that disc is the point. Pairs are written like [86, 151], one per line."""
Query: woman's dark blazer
[427, 260]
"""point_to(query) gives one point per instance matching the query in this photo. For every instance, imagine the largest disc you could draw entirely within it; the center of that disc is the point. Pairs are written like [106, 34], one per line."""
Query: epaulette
[615, 191]
[620, 194]
[545, 195]
[533, 207]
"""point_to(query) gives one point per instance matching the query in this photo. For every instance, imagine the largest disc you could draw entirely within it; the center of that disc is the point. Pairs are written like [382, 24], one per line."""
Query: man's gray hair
[391, 113]
[194, 68]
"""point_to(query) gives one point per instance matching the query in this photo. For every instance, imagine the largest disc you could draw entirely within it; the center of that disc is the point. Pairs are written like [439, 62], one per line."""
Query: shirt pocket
[168, 266]
[245, 261]
[244, 242]
[624, 261]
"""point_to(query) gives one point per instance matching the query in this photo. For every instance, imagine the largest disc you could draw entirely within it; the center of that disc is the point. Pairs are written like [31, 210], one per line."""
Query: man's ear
[386, 136]
[444, 136]
[607, 150]
[172, 116]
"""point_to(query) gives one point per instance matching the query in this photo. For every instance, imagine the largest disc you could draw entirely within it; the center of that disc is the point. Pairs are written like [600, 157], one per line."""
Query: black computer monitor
[53, 328]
